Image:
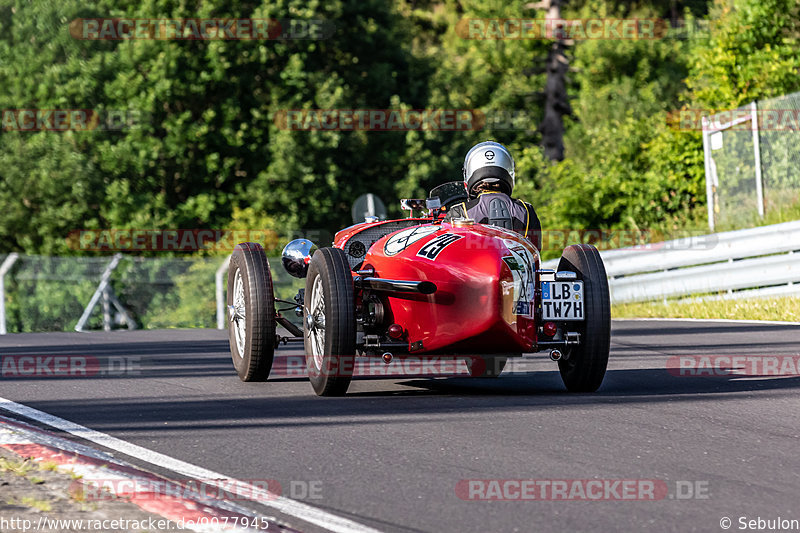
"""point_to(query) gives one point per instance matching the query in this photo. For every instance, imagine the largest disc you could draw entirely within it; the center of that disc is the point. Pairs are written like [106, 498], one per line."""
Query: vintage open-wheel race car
[423, 287]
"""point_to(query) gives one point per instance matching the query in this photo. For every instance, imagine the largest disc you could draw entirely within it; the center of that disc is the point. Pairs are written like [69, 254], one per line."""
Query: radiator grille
[358, 245]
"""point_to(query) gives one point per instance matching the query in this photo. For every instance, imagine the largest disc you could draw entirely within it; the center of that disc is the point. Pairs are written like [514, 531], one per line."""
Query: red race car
[423, 287]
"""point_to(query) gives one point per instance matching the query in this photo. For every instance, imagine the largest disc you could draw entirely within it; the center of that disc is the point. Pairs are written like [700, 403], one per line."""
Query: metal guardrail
[735, 264]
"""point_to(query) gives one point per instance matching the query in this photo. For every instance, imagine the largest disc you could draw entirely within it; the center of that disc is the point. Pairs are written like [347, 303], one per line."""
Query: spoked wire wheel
[238, 315]
[329, 324]
[316, 323]
[251, 312]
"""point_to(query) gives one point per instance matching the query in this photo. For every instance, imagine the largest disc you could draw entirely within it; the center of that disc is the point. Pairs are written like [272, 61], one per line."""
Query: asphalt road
[391, 453]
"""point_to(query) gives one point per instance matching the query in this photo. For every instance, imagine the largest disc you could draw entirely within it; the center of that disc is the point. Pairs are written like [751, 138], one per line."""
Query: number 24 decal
[433, 248]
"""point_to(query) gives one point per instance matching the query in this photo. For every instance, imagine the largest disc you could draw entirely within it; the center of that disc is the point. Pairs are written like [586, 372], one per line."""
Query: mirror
[410, 204]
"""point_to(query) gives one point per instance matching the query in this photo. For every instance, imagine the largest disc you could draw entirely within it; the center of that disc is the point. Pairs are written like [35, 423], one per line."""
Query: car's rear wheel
[585, 368]
[251, 312]
[329, 323]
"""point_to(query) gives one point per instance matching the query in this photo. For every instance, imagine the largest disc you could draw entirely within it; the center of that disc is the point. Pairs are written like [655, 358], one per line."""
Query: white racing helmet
[489, 162]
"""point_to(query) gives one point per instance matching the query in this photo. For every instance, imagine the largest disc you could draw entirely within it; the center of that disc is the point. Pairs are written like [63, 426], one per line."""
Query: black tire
[330, 356]
[585, 368]
[486, 367]
[252, 358]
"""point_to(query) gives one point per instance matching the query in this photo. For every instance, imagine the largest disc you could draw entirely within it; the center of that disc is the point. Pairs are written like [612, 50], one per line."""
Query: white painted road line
[247, 491]
[712, 320]
[98, 471]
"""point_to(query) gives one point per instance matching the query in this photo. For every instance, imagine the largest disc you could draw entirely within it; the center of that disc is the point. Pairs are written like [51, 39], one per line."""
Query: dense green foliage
[208, 152]
[207, 149]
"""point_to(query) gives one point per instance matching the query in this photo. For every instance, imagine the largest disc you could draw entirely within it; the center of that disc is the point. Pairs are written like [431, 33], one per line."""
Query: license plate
[562, 300]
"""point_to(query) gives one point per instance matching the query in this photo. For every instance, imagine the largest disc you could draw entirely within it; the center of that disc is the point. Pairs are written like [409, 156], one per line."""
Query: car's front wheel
[251, 312]
[329, 323]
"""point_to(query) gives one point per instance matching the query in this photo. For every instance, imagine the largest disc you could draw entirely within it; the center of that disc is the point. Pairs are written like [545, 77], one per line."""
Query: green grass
[781, 208]
[783, 309]
[40, 505]
[19, 467]
[48, 466]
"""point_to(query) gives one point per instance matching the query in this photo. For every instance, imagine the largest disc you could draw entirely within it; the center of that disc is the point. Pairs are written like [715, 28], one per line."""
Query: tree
[556, 104]
[207, 141]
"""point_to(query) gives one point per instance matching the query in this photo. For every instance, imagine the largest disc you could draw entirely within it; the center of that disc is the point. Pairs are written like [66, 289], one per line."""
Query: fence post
[101, 288]
[4, 268]
[220, 290]
[709, 178]
[106, 311]
[757, 154]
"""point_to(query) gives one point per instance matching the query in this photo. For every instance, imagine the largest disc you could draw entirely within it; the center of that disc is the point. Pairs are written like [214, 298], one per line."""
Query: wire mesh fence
[752, 156]
[43, 293]
[780, 151]
[733, 165]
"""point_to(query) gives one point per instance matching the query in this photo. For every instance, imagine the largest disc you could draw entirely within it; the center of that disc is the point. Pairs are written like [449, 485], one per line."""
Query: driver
[489, 178]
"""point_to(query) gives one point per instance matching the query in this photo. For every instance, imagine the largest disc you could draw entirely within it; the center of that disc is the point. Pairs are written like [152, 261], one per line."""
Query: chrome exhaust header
[393, 285]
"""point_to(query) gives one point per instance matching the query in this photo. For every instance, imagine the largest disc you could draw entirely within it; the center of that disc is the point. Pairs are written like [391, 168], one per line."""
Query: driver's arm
[457, 211]
[533, 231]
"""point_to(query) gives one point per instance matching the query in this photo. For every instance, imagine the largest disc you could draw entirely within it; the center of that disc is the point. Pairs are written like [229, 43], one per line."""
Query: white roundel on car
[522, 264]
[403, 239]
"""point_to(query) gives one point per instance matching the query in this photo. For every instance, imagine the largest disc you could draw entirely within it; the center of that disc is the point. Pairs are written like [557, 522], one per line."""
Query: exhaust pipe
[392, 285]
[556, 355]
